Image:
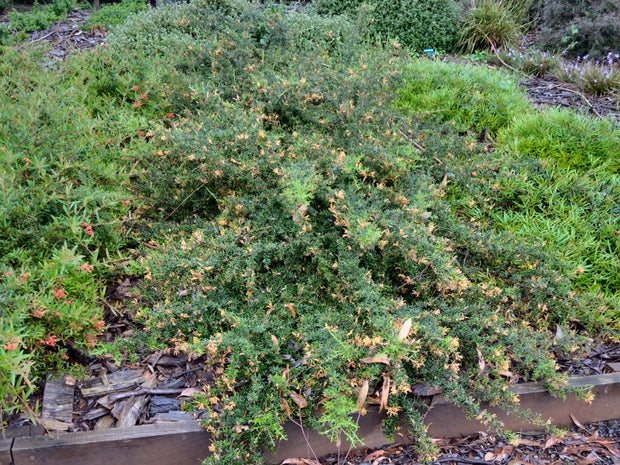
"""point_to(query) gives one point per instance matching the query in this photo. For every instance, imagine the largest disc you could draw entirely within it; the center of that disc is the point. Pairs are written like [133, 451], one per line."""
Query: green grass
[313, 195]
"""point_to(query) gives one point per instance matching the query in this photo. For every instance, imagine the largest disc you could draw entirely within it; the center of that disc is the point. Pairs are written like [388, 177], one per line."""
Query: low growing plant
[592, 77]
[465, 97]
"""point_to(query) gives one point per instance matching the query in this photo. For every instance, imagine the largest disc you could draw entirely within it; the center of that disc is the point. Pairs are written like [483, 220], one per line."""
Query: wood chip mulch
[596, 443]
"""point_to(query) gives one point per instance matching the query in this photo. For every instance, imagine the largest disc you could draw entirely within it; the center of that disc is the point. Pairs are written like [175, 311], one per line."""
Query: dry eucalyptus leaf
[404, 330]
[385, 392]
[361, 398]
[381, 358]
[299, 399]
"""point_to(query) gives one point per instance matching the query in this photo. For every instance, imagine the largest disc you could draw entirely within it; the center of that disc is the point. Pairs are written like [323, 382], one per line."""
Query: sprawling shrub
[416, 23]
[580, 27]
[4, 4]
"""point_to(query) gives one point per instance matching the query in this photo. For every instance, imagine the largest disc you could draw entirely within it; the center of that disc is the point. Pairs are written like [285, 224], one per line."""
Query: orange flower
[11, 345]
[87, 268]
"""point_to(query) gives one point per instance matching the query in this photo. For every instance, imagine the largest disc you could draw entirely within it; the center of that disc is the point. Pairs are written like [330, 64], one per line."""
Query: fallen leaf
[361, 397]
[191, 392]
[275, 341]
[381, 358]
[385, 392]
[489, 456]
[299, 399]
[607, 445]
[552, 441]
[591, 458]
[527, 442]
[579, 425]
[287, 409]
[481, 361]
[375, 455]
[291, 307]
[404, 330]
[300, 461]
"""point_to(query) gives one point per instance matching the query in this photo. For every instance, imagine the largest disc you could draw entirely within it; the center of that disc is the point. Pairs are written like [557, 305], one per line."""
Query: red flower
[87, 268]
[59, 292]
[89, 230]
[170, 115]
[11, 345]
[51, 340]
[144, 96]
[125, 202]
[137, 104]
[135, 89]
[27, 160]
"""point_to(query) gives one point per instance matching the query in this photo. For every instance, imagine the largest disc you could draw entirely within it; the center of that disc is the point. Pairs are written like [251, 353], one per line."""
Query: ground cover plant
[309, 220]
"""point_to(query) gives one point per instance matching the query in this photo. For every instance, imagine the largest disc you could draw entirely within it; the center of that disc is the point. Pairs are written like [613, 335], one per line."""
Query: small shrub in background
[580, 27]
[40, 18]
[593, 77]
[417, 24]
[532, 62]
[115, 14]
[494, 24]
[4, 4]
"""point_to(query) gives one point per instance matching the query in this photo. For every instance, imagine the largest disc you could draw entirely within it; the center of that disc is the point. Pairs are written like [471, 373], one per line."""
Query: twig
[417, 146]
[145, 391]
[39, 39]
[583, 97]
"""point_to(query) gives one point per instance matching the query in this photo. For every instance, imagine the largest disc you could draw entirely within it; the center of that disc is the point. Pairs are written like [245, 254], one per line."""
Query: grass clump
[493, 24]
[468, 98]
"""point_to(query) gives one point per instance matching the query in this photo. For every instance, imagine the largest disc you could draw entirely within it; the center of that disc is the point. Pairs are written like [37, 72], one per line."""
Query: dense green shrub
[4, 4]
[417, 24]
[580, 27]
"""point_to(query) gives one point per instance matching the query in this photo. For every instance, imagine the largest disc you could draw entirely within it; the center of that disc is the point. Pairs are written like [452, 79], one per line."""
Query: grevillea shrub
[319, 257]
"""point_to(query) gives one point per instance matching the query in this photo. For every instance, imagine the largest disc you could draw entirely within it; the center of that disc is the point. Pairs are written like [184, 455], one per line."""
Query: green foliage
[115, 14]
[586, 27]
[493, 24]
[275, 160]
[41, 18]
[4, 34]
[554, 181]
[4, 4]
[571, 140]
[417, 24]
[466, 97]
[63, 212]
